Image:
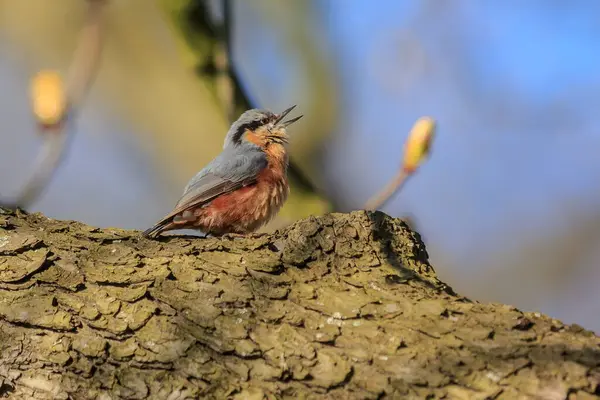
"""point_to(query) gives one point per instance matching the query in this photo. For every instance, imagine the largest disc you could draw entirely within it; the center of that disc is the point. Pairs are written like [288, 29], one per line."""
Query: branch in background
[229, 89]
[232, 93]
[223, 57]
[416, 150]
[87, 56]
[54, 104]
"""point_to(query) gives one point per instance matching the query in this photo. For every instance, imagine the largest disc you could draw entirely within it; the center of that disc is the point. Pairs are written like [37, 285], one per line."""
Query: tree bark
[342, 306]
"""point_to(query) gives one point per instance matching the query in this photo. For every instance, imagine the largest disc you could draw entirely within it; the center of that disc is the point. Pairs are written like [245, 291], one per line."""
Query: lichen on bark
[341, 306]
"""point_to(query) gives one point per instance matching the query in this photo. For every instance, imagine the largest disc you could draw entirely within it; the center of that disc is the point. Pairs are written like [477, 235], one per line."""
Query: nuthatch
[244, 187]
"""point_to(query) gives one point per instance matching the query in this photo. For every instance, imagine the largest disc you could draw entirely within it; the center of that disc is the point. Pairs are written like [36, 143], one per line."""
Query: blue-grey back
[235, 163]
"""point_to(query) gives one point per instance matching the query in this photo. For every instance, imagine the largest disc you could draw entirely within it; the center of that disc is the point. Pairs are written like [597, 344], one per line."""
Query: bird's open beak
[282, 116]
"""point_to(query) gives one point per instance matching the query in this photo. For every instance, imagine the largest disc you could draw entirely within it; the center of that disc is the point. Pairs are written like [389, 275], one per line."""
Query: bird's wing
[232, 169]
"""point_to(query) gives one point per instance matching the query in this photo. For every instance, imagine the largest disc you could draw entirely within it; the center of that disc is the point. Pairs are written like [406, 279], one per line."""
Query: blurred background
[508, 204]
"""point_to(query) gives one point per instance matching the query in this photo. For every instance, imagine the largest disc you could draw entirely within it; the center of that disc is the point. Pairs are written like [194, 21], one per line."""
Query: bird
[243, 187]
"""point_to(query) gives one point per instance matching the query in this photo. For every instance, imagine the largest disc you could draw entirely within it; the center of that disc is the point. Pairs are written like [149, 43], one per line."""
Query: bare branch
[46, 164]
[80, 77]
[87, 56]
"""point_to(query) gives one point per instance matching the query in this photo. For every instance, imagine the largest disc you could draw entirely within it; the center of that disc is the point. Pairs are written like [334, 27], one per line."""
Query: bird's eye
[253, 125]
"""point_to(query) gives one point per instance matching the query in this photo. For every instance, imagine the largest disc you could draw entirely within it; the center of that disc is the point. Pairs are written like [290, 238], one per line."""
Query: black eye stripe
[249, 126]
[254, 124]
[248, 121]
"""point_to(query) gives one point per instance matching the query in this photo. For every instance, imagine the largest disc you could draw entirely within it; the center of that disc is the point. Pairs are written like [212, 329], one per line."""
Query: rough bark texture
[344, 306]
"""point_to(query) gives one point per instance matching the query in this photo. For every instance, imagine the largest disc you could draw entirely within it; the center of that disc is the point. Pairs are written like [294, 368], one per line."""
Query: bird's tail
[157, 229]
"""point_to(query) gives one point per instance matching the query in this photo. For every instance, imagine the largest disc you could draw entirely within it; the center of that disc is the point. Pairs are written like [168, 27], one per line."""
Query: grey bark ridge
[344, 306]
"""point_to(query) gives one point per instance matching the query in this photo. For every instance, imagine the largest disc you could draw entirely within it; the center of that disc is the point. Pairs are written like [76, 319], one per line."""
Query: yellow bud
[48, 98]
[418, 144]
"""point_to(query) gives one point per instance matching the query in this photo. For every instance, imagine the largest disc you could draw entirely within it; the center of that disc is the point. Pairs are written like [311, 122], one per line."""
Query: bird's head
[260, 127]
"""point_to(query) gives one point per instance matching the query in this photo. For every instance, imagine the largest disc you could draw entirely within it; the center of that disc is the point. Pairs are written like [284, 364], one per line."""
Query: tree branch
[344, 306]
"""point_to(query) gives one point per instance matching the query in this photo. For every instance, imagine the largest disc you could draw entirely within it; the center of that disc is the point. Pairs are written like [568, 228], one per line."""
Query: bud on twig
[416, 151]
[53, 101]
[418, 144]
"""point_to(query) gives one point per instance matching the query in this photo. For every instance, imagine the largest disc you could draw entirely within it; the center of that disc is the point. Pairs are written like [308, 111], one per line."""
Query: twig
[87, 55]
[393, 186]
[416, 150]
[56, 137]
[46, 164]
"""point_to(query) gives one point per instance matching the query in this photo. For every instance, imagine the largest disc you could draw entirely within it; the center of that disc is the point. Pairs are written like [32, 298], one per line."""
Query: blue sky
[514, 87]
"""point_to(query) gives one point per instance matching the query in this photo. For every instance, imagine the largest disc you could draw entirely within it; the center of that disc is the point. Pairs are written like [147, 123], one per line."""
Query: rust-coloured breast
[249, 208]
